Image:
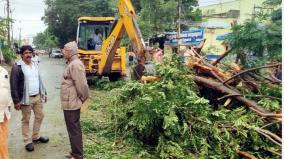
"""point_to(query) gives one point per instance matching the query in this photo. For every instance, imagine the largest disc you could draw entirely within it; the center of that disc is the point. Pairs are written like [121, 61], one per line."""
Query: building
[218, 19]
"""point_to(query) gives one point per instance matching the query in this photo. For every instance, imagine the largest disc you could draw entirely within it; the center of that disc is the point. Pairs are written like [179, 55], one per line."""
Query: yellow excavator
[102, 55]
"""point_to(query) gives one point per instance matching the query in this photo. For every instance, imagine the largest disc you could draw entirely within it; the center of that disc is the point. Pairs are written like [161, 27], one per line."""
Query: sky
[28, 14]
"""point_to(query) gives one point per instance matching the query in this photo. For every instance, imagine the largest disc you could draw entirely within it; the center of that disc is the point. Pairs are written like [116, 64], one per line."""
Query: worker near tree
[5, 104]
[158, 55]
[74, 92]
[28, 94]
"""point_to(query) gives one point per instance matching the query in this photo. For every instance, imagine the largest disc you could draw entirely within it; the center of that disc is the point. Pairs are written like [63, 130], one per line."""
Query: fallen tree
[168, 114]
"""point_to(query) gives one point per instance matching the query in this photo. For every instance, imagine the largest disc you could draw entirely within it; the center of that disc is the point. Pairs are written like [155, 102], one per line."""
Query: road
[53, 124]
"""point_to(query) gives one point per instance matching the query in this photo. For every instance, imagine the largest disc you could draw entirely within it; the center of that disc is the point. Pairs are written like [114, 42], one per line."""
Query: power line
[214, 2]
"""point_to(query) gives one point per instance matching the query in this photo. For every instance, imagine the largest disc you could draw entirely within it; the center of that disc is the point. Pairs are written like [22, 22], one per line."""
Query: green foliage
[9, 54]
[258, 41]
[3, 27]
[170, 150]
[88, 125]
[103, 84]
[275, 92]
[271, 103]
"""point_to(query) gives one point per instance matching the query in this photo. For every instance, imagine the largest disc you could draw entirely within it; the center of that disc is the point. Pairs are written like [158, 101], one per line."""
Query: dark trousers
[72, 120]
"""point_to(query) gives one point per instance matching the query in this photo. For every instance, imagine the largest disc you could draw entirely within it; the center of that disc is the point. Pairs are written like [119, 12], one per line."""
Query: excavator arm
[126, 24]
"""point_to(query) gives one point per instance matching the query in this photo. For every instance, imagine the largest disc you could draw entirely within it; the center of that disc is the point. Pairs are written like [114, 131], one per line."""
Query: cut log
[206, 70]
[147, 79]
[245, 154]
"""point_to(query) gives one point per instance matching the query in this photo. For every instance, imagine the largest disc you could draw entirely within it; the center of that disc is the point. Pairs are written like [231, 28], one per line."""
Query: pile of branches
[174, 117]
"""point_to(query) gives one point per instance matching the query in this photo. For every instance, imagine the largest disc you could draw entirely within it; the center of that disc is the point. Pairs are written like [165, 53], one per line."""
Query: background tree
[154, 16]
[8, 52]
[39, 40]
[45, 40]
[61, 16]
[159, 16]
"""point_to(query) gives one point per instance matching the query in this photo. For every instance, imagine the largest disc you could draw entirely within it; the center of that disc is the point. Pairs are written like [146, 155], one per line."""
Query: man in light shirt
[28, 94]
[5, 104]
[97, 39]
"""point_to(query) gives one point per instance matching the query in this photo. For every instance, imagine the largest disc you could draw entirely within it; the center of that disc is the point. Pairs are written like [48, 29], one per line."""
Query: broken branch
[269, 138]
[275, 153]
[249, 70]
[221, 57]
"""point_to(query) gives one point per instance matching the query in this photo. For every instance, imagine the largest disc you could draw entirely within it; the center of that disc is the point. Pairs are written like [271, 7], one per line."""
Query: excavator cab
[90, 28]
[92, 33]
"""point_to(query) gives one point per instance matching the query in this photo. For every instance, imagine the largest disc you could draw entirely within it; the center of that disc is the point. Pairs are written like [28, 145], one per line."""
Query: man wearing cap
[5, 104]
[28, 94]
[74, 92]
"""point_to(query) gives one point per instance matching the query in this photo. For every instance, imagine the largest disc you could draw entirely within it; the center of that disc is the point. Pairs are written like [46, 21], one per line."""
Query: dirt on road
[53, 124]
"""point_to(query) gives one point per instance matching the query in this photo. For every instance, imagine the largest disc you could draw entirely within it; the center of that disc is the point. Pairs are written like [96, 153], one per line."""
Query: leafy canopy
[61, 16]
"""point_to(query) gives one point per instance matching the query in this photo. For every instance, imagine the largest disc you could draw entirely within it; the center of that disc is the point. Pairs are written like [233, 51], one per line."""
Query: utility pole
[178, 26]
[8, 22]
[20, 38]
[12, 30]
[20, 30]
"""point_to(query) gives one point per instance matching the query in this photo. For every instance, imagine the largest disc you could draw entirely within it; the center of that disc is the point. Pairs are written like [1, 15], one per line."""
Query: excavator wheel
[140, 70]
[114, 76]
